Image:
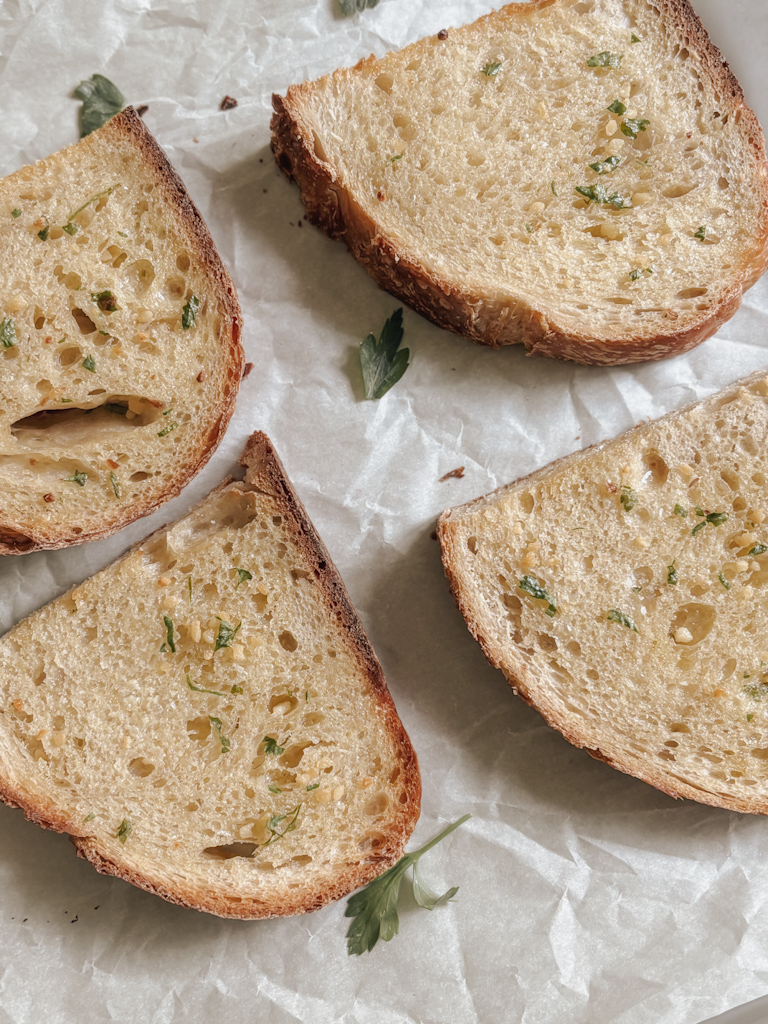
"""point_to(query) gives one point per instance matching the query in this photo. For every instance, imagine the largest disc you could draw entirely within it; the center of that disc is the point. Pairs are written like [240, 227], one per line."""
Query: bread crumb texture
[582, 176]
[651, 655]
[199, 716]
[114, 308]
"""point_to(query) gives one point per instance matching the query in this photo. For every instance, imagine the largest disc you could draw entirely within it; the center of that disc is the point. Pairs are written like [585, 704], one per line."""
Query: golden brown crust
[497, 323]
[36, 535]
[519, 677]
[266, 475]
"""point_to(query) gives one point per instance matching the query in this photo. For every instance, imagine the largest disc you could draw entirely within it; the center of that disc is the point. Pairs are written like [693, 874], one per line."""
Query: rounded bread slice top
[120, 354]
[584, 178]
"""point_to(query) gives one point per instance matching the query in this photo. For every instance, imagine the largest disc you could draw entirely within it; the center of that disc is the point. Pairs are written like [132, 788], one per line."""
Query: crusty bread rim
[518, 675]
[490, 322]
[16, 538]
[265, 475]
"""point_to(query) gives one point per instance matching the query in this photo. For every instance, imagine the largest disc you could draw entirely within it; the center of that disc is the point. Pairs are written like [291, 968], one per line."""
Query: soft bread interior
[120, 358]
[263, 777]
[650, 645]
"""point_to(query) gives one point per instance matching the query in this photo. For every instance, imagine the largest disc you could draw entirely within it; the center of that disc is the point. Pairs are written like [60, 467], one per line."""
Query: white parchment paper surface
[585, 896]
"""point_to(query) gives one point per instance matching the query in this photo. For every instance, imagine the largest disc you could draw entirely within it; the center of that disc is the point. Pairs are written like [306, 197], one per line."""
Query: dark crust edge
[266, 475]
[448, 303]
[522, 679]
[18, 538]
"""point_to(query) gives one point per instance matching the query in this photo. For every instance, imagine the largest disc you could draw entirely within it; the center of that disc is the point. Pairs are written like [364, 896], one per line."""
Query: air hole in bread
[175, 287]
[231, 850]
[199, 729]
[370, 842]
[140, 767]
[140, 276]
[182, 262]
[472, 544]
[385, 82]
[313, 718]
[288, 641]
[283, 703]
[64, 426]
[83, 321]
[260, 600]
[692, 623]
[137, 478]
[526, 502]
[656, 469]
[376, 805]
[691, 293]
[293, 754]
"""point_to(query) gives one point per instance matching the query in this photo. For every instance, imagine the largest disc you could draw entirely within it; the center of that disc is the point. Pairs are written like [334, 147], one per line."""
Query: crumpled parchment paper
[585, 896]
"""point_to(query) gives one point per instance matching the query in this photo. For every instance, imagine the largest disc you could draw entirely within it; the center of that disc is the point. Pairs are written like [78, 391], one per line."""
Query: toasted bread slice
[206, 717]
[621, 590]
[581, 176]
[120, 355]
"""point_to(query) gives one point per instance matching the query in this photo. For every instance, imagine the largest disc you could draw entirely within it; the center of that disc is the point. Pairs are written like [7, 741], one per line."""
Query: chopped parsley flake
[243, 576]
[617, 107]
[724, 581]
[271, 746]
[89, 817]
[77, 477]
[758, 549]
[757, 691]
[314, 785]
[634, 39]
[43, 233]
[115, 485]
[15, 213]
[200, 689]
[395, 158]
[531, 586]
[680, 511]
[226, 635]
[628, 498]
[606, 166]
[601, 195]
[710, 519]
[166, 430]
[277, 820]
[223, 741]
[105, 301]
[8, 333]
[701, 234]
[124, 830]
[673, 577]
[606, 59]
[70, 228]
[638, 272]
[189, 312]
[492, 68]
[274, 789]
[614, 615]
[632, 126]
[236, 689]
[89, 363]
[553, 187]
[169, 634]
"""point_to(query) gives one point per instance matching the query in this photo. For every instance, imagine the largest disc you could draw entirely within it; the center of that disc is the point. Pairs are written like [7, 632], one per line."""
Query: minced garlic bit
[683, 635]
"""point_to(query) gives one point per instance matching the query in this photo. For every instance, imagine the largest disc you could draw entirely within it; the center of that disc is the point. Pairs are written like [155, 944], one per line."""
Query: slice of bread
[621, 590]
[511, 185]
[120, 355]
[206, 716]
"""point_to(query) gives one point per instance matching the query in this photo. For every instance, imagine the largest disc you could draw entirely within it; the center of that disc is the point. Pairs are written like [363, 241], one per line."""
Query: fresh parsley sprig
[374, 908]
[381, 363]
[101, 101]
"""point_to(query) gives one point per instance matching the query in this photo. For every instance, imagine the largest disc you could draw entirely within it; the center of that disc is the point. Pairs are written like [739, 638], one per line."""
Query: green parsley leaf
[531, 586]
[116, 408]
[632, 126]
[757, 691]
[553, 187]
[758, 549]
[701, 234]
[271, 747]
[277, 820]
[617, 107]
[105, 301]
[395, 158]
[710, 519]
[189, 587]
[70, 228]
[349, 7]
[86, 204]
[606, 59]
[43, 233]
[200, 689]
[425, 896]
[614, 615]
[236, 688]
[226, 635]
[89, 817]
[673, 577]
[638, 272]
[242, 577]
[101, 101]
[606, 166]
[628, 498]
[169, 634]
[15, 213]
[750, 717]
[89, 363]
[314, 785]
[724, 581]
[493, 67]
[634, 39]
[189, 312]
[223, 741]
[680, 511]
[8, 333]
[374, 908]
[166, 430]
[124, 830]
[600, 194]
[529, 229]
[274, 789]
[381, 363]
[115, 485]
[78, 477]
